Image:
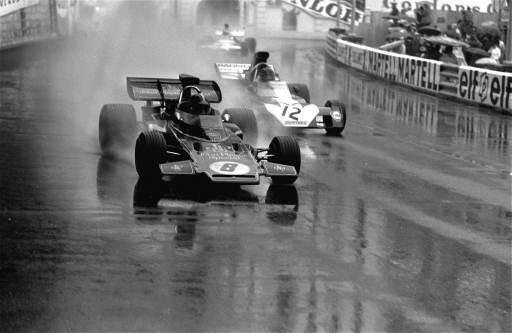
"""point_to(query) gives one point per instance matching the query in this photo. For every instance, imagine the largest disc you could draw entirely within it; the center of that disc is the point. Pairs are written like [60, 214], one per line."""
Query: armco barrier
[468, 84]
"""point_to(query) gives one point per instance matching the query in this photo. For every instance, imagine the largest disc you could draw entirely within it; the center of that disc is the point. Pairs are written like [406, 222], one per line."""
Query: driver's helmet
[266, 73]
[190, 109]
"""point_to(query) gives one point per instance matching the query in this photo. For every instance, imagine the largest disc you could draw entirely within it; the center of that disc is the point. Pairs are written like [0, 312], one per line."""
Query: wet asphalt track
[402, 224]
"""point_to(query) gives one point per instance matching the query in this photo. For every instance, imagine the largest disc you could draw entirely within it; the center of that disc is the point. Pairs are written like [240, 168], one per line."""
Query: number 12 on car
[294, 111]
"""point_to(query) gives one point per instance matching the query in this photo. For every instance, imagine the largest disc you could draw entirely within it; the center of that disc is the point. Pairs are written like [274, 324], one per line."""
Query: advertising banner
[415, 72]
[485, 87]
[411, 71]
[357, 57]
[9, 6]
[477, 6]
[334, 9]
[343, 53]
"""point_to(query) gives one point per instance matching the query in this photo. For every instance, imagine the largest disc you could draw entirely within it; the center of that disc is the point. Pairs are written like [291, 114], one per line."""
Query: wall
[31, 21]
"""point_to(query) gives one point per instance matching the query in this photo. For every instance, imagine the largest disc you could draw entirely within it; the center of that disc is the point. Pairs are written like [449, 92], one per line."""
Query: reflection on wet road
[401, 224]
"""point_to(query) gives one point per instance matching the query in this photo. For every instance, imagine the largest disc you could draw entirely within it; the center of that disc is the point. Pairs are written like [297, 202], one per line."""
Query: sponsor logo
[177, 168]
[489, 88]
[332, 9]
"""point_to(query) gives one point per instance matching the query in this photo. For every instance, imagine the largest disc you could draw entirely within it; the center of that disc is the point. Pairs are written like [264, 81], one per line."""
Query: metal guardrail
[472, 85]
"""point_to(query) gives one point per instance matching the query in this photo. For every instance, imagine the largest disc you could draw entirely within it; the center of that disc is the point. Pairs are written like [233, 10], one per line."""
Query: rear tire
[251, 44]
[244, 51]
[149, 153]
[245, 120]
[117, 127]
[337, 105]
[285, 150]
[301, 90]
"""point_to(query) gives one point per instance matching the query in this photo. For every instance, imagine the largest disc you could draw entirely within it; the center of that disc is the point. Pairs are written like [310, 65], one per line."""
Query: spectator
[473, 41]
[412, 41]
[402, 49]
[453, 32]
[448, 56]
[466, 25]
[501, 45]
[469, 16]
[226, 31]
[495, 52]
[423, 15]
[394, 10]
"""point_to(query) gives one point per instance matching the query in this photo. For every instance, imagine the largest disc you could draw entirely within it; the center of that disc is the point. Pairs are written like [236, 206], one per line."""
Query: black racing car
[214, 147]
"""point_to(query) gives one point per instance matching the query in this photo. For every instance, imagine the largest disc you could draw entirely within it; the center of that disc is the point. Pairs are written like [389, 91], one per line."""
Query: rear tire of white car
[244, 49]
[117, 127]
[149, 154]
[337, 105]
[245, 120]
[301, 90]
[285, 150]
[251, 44]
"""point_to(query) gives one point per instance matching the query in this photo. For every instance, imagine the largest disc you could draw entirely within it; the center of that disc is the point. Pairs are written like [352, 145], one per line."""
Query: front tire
[117, 127]
[285, 150]
[337, 105]
[149, 153]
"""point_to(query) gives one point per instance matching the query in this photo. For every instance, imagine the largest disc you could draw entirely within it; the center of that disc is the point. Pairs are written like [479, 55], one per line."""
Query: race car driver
[266, 74]
[189, 111]
[188, 114]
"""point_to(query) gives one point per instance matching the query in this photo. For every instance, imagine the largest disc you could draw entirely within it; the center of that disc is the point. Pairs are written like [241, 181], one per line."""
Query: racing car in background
[215, 148]
[289, 103]
[233, 42]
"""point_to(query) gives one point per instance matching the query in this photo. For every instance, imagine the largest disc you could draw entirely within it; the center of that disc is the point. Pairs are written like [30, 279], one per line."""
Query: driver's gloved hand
[165, 115]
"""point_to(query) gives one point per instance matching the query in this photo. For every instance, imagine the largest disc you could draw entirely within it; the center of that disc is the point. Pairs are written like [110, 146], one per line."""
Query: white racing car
[289, 103]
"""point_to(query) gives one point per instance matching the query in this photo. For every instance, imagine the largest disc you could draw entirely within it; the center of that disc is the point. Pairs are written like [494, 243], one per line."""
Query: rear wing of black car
[151, 89]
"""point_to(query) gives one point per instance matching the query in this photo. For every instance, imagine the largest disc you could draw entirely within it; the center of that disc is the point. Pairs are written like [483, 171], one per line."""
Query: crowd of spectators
[462, 42]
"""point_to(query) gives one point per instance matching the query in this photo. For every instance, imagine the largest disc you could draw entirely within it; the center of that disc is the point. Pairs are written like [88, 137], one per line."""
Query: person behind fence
[448, 56]
[412, 42]
[394, 9]
[226, 31]
[423, 15]
[466, 24]
[495, 53]
[453, 31]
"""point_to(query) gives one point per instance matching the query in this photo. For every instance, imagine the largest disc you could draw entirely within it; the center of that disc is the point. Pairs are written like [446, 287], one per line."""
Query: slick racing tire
[149, 153]
[337, 105]
[285, 150]
[251, 44]
[117, 127]
[244, 49]
[245, 120]
[299, 89]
